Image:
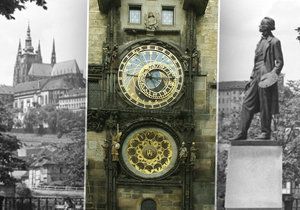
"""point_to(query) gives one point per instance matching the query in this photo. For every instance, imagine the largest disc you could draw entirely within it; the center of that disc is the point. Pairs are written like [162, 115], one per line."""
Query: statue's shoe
[264, 136]
[240, 136]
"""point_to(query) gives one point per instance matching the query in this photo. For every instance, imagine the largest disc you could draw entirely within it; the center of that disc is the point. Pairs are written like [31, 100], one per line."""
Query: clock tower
[149, 105]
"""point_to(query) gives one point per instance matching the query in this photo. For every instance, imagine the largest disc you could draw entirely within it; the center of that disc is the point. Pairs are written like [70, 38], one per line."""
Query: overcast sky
[239, 21]
[65, 21]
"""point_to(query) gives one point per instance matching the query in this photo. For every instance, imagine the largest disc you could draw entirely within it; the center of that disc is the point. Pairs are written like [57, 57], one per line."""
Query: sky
[64, 20]
[238, 36]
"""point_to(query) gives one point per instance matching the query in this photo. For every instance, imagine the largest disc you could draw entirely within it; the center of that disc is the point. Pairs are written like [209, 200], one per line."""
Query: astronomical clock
[142, 98]
[150, 77]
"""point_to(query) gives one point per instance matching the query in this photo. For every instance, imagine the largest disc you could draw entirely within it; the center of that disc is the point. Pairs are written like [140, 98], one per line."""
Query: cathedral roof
[66, 67]
[57, 84]
[29, 86]
[4, 89]
[40, 69]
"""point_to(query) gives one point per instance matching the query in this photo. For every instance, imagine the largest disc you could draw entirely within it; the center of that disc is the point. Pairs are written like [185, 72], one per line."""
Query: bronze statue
[268, 58]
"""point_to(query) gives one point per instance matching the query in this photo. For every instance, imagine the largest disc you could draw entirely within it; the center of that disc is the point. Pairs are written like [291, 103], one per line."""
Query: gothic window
[167, 16]
[148, 204]
[135, 14]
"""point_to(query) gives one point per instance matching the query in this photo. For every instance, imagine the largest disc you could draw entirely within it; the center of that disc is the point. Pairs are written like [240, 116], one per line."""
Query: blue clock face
[150, 77]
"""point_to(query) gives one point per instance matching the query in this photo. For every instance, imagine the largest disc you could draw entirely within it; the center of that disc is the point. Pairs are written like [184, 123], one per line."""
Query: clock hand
[157, 78]
[154, 85]
[133, 75]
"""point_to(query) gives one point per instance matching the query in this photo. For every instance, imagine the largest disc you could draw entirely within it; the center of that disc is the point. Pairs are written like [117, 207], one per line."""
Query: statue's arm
[278, 57]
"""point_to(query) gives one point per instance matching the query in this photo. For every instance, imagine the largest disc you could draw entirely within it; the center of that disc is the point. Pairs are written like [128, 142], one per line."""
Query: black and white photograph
[42, 104]
[258, 159]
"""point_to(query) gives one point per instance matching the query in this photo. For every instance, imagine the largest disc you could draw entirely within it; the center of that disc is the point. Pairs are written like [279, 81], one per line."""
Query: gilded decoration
[150, 152]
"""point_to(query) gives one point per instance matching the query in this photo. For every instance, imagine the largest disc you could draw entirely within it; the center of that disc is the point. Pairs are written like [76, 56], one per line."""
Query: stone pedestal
[254, 175]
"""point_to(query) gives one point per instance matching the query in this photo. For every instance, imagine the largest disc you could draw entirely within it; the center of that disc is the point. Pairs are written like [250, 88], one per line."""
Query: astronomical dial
[149, 152]
[150, 76]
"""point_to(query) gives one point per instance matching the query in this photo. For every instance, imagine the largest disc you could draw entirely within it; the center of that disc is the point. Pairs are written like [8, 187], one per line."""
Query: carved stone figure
[183, 153]
[193, 152]
[115, 146]
[268, 58]
[105, 148]
[151, 21]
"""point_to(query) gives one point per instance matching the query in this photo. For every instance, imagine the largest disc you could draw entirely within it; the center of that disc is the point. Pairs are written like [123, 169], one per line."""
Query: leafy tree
[8, 147]
[8, 7]
[287, 126]
[8, 158]
[36, 116]
[72, 154]
[22, 190]
[52, 117]
[6, 119]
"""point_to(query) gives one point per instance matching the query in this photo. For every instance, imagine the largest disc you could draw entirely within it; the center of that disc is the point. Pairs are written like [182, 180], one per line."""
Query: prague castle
[41, 83]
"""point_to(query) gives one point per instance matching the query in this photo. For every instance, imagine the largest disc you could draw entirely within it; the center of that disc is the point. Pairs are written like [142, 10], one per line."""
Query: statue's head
[267, 24]
[150, 14]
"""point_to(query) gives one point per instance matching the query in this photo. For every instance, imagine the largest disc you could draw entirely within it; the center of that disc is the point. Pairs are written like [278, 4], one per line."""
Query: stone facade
[204, 111]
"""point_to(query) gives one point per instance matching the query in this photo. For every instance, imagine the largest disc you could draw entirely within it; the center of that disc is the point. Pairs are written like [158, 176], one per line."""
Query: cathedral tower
[53, 54]
[25, 59]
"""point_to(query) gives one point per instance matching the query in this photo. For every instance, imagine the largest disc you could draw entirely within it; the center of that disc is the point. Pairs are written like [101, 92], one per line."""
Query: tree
[52, 117]
[36, 116]
[8, 158]
[6, 118]
[8, 7]
[72, 154]
[22, 190]
[8, 147]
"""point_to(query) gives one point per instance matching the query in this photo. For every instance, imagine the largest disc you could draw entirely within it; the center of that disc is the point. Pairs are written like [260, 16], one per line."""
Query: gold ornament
[150, 151]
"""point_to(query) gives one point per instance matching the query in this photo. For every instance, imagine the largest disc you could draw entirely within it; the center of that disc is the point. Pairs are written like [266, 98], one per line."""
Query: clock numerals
[150, 77]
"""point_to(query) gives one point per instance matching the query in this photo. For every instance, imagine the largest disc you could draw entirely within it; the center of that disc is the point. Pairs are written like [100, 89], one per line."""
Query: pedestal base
[254, 175]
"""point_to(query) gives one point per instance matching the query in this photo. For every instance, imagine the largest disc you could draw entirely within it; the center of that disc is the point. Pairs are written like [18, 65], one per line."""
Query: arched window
[148, 204]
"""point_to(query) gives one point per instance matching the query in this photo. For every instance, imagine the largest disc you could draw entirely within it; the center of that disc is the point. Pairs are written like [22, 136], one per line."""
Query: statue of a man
[268, 58]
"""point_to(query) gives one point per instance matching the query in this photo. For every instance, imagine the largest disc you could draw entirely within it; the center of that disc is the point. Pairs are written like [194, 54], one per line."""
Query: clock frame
[149, 152]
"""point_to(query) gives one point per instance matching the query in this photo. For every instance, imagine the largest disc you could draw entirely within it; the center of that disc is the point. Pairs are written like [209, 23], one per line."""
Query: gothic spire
[20, 47]
[53, 55]
[39, 53]
[28, 45]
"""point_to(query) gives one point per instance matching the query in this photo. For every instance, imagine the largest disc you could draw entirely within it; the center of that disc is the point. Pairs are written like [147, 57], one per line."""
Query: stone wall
[95, 175]
[166, 199]
[97, 33]
[205, 108]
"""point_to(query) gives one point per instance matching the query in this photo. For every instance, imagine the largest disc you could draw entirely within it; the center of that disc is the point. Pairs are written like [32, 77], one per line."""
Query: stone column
[254, 175]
